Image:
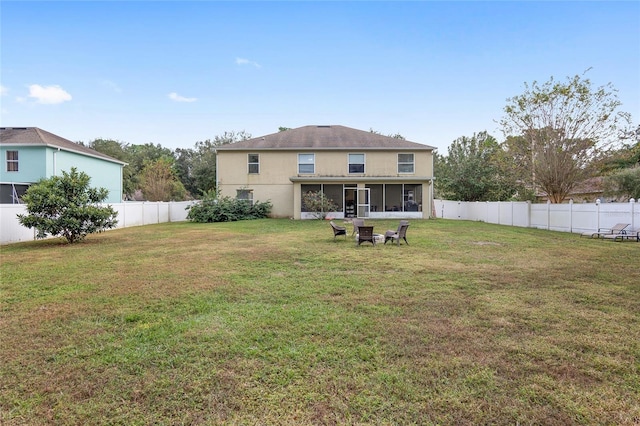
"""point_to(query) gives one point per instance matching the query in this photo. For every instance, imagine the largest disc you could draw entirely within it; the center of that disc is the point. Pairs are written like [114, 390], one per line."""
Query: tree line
[557, 135]
[156, 173]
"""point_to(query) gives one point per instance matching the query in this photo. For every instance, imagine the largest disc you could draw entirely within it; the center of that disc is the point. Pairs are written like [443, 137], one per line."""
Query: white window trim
[248, 192]
[249, 165]
[16, 162]
[364, 163]
[404, 162]
[306, 164]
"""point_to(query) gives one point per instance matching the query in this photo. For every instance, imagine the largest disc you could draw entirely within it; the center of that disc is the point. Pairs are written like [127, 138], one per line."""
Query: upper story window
[12, 161]
[356, 163]
[406, 163]
[253, 161]
[306, 163]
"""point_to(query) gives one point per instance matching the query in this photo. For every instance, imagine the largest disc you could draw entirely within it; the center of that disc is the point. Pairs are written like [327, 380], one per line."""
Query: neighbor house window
[254, 163]
[245, 195]
[306, 163]
[405, 163]
[356, 163]
[12, 161]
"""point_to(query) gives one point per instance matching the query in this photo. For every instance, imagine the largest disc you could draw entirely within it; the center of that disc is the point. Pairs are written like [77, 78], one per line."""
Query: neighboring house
[30, 154]
[364, 173]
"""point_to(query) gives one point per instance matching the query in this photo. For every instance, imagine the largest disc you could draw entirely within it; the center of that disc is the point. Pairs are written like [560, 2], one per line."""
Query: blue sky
[175, 73]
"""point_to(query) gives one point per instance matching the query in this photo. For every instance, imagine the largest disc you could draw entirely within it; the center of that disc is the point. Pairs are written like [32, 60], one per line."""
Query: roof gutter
[361, 178]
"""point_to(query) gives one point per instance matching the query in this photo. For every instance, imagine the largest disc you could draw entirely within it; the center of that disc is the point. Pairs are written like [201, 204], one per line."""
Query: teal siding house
[30, 154]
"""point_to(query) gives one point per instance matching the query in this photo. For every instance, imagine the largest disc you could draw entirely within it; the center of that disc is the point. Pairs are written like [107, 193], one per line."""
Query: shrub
[213, 208]
[317, 203]
[66, 206]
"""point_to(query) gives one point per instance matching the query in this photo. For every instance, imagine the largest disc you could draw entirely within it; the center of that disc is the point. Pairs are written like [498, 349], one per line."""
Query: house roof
[325, 137]
[33, 136]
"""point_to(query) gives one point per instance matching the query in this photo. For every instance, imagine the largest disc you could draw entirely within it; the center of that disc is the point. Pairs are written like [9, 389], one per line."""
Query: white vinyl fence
[571, 217]
[129, 214]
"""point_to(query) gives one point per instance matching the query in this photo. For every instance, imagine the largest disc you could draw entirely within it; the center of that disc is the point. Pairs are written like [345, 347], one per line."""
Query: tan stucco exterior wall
[278, 167]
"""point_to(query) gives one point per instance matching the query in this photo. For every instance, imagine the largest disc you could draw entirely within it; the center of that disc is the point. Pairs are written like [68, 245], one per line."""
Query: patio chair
[338, 230]
[400, 233]
[356, 224]
[625, 234]
[617, 229]
[365, 234]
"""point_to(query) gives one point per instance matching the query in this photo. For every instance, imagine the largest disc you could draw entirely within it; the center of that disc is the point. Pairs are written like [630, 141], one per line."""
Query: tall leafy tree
[555, 130]
[624, 183]
[201, 168]
[622, 169]
[183, 166]
[141, 155]
[471, 171]
[158, 181]
[119, 151]
[67, 206]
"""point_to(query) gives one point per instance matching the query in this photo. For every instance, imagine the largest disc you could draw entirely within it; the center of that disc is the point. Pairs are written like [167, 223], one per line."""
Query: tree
[159, 182]
[622, 171]
[472, 171]
[140, 156]
[197, 168]
[392, 135]
[624, 183]
[66, 206]
[557, 130]
[183, 166]
[119, 151]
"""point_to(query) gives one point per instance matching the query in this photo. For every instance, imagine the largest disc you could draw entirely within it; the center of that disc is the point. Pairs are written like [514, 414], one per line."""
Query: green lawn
[272, 322]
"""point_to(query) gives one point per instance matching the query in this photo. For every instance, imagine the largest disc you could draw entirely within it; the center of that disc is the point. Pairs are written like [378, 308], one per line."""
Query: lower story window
[12, 193]
[245, 195]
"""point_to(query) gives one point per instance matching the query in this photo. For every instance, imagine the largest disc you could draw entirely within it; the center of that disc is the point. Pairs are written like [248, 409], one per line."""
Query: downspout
[55, 162]
[217, 188]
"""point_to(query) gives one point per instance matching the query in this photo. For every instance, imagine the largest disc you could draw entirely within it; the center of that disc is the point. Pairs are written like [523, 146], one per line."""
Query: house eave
[408, 178]
[61, 148]
[426, 148]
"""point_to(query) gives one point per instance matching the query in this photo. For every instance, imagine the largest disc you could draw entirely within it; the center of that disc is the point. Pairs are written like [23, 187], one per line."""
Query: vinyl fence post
[633, 203]
[598, 214]
[571, 215]
[548, 215]
[512, 213]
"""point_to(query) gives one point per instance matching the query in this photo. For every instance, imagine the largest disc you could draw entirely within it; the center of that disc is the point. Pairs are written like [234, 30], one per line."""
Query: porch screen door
[363, 202]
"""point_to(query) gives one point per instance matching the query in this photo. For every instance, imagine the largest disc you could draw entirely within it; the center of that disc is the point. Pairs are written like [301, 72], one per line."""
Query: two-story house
[364, 173]
[30, 154]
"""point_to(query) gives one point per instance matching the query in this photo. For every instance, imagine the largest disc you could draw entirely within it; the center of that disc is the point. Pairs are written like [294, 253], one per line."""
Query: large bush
[317, 203]
[66, 206]
[213, 208]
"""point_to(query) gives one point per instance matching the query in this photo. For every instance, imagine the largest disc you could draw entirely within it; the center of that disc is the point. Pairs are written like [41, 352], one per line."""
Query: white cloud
[175, 97]
[243, 61]
[49, 94]
[4, 90]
